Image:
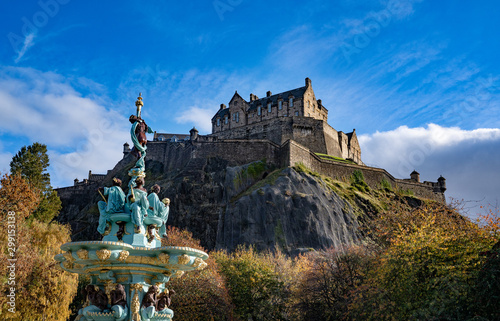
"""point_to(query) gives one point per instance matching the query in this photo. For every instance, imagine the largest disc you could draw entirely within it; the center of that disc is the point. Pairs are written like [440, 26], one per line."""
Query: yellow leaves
[42, 289]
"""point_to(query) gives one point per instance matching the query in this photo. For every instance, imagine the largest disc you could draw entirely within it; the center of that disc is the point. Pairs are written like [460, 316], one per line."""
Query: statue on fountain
[119, 302]
[159, 208]
[148, 305]
[138, 204]
[114, 204]
[164, 301]
[97, 299]
[139, 139]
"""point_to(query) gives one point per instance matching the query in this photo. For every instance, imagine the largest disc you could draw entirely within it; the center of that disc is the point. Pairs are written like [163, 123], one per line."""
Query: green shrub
[385, 184]
[358, 181]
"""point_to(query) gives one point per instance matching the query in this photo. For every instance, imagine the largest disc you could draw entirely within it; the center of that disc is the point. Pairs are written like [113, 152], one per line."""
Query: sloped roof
[296, 93]
[221, 113]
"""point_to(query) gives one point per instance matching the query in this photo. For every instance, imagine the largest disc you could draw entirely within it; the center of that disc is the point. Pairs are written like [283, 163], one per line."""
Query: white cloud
[468, 159]
[199, 117]
[29, 41]
[80, 132]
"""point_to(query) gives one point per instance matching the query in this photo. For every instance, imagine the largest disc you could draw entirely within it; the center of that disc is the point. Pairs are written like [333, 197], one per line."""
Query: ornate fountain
[129, 268]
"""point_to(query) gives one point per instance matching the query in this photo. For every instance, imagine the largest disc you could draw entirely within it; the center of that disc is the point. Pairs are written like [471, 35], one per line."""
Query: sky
[419, 80]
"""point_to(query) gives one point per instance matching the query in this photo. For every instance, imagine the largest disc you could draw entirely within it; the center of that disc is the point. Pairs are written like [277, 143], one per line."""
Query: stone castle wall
[178, 155]
[297, 153]
[310, 132]
[241, 151]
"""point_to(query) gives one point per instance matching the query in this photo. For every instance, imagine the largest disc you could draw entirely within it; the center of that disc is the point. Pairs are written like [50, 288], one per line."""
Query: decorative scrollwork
[183, 259]
[199, 264]
[103, 254]
[123, 255]
[69, 257]
[164, 258]
[136, 304]
[83, 254]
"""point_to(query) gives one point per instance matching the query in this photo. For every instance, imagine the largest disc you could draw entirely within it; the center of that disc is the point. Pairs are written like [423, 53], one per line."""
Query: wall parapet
[373, 176]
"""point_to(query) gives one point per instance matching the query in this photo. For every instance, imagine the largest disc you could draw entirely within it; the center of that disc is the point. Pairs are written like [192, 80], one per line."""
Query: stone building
[291, 115]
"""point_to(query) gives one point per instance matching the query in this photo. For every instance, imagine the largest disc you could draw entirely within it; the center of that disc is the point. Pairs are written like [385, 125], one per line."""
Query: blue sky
[419, 80]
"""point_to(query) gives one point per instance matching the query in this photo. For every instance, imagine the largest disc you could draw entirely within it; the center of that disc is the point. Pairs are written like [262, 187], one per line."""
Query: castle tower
[193, 134]
[126, 149]
[415, 176]
[442, 183]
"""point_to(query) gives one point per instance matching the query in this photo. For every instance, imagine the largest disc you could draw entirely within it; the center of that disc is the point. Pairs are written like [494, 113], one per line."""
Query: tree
[199, 295]
[31, 163]
[258, 283]
[42, 290]
[427, 269]
[326, 282]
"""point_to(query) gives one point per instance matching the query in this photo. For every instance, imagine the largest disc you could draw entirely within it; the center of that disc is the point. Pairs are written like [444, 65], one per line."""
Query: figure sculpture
[139, 139]
[159, 208]
[148, 305]
[138, 204]
[164, 301]
[115, 203]
[97, 299]
[119, 302]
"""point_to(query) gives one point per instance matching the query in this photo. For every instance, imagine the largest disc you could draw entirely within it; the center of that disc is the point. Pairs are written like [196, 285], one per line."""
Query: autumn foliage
[423, 262]
[42, 290]
[418, 262]
[199, 295]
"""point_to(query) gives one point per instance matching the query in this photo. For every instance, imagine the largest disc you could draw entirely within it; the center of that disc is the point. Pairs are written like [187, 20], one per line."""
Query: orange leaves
[178, 237]
[17, 196]
[42, 289]
[199, 295]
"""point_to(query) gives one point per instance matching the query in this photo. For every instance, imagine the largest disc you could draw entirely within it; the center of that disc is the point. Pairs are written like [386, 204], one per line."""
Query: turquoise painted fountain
[129, 268]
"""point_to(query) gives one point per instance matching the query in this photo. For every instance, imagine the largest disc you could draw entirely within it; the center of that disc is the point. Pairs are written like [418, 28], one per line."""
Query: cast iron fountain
[129, 268]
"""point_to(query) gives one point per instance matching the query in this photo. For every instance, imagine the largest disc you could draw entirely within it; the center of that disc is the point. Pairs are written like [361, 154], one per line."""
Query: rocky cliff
[292, 208]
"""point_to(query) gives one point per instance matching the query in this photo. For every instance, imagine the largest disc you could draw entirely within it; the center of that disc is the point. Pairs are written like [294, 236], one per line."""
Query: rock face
[291, 210]
[227, 206]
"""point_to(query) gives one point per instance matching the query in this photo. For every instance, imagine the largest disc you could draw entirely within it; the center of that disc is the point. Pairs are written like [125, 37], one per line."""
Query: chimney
[222, 106]
[319, 103]
[308, 82]
[268, 94]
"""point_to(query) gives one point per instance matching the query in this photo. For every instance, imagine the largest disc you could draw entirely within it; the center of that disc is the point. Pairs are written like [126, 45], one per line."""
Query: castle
[292, 115]
[284, 129]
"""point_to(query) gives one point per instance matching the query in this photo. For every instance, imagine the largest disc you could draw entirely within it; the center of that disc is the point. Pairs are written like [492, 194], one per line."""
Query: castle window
[269, 107]
[308, 104]
[296, 113]
[225, 120]
[218, 121]
[259, 110]
[237, 117]
[280, 105]
[290, 102]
